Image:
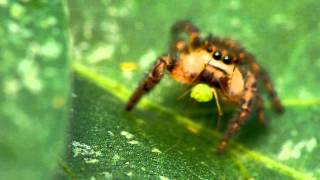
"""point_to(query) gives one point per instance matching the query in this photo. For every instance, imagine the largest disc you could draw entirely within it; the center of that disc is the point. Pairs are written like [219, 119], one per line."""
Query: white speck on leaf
[101, 53]
[11, 87]
[13, 27]
[98, 153]
[130, 174]
[311, 144]
[203, 163]
[156, 150]
[127, 134]
[234, 5]
[29, 71]
[235, 22]
[107, 175]
[73, 95]
[115, 12]
[48, 22]
[305, 94]
[110, 133]
[90, 160]
[111, 27]
[17, 10]
[121, 11]
[116, 157]
[163, 178]
[282, 20]
[133, 142]
[290, 150]
[111, 30]
[51, 49]
[88, 154]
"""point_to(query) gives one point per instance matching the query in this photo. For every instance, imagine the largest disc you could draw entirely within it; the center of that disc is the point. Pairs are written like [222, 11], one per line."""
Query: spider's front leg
[245, 109]
[153, 78]
[184, 27]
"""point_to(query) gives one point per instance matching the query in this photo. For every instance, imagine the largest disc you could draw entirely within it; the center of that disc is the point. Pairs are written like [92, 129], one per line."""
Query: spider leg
[152, 79]
[245, 109]
[263, 75]
[178, 46]
[186, 27]
[271, 92]
[260, 110]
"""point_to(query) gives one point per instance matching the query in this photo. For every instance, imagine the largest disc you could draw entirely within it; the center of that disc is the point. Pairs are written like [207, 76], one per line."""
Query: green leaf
[114, 44]
[34, 87]
[158, 142]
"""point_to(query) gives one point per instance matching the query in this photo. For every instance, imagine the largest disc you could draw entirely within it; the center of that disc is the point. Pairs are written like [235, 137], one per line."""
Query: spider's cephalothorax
[222, 64]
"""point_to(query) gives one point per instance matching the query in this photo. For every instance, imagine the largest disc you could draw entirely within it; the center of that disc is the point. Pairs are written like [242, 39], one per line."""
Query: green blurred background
[68, 67]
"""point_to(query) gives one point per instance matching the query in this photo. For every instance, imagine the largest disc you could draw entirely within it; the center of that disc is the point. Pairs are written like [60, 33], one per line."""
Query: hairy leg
[178, 46]
[263, 75]
[260, 110]
[271, 92]
[185, 27]
[245, 109]
[150, 80]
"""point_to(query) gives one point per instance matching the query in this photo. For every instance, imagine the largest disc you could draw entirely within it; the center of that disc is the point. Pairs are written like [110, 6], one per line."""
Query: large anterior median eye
[227, 59]
[217, 55]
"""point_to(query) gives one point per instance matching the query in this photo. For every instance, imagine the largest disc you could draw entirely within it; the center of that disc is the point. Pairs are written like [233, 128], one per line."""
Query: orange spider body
[191, 65]
[220, 63]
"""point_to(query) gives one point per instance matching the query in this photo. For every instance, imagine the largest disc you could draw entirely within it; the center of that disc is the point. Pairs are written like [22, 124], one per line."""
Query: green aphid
[201, 93]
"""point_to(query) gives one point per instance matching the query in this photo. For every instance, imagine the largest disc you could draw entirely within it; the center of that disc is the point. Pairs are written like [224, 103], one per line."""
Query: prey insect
[222, 64]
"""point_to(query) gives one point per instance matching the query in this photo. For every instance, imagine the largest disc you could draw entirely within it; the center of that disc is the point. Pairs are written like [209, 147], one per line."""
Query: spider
[222, 64]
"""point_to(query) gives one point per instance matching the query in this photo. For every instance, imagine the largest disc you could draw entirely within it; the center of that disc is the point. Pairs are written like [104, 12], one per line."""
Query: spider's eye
[227, 59]
[217, 55]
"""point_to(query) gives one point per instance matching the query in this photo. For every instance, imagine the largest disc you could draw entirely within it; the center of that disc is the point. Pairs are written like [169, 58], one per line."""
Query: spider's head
[222, 59]
[227, 62]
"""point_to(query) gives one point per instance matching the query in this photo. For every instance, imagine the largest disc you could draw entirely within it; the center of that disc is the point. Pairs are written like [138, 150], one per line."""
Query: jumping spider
[220, 63]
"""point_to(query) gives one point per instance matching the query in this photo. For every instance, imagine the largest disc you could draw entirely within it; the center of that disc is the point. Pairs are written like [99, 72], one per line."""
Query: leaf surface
[34, 88]
[115, 43]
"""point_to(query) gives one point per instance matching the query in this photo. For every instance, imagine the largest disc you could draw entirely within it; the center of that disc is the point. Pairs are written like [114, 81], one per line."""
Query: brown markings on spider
[220, 63]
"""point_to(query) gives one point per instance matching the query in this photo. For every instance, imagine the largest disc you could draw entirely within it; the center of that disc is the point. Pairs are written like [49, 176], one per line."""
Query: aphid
[218, 62]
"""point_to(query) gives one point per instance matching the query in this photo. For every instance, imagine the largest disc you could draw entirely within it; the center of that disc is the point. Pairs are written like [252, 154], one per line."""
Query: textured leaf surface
[115, 44]
[34, 86]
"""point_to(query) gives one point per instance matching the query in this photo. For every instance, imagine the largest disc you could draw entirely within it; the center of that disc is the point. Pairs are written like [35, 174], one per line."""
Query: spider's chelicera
[220, 63]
